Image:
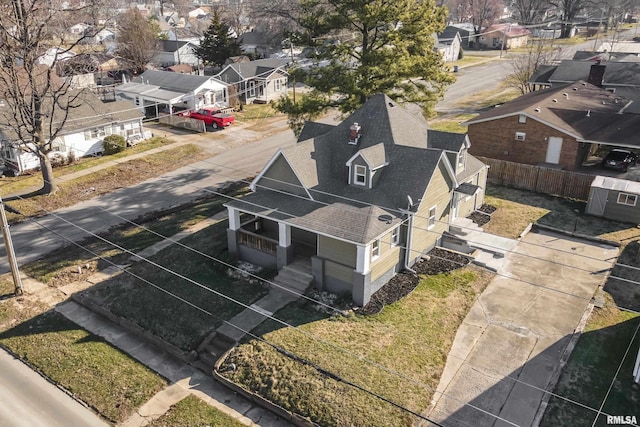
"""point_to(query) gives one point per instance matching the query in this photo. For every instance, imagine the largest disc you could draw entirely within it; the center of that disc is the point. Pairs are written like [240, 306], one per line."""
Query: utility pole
[8, 244]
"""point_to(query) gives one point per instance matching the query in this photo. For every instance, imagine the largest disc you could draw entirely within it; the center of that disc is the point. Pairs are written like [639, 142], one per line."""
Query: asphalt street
[28, 400]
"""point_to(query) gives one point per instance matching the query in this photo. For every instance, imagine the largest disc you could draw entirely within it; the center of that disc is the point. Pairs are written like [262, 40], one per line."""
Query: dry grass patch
[96, 373]
[193, 412]
[107, 180]
[488, 98]
[407, 345]
[451, 123]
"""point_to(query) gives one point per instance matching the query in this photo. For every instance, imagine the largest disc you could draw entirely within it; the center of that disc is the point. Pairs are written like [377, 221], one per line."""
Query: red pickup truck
[211, 116]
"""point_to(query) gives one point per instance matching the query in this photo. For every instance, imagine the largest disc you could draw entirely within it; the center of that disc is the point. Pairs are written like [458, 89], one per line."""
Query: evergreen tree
[375, 46]
[217, 44]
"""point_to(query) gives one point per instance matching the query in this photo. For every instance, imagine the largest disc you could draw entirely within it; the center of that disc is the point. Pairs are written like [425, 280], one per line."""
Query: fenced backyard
[540, 179]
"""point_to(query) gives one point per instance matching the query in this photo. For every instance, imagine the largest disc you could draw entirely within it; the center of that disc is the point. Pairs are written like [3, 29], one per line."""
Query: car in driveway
[619, 159]
[213, 117]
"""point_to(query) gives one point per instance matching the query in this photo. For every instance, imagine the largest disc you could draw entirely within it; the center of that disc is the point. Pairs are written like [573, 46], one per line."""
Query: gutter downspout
[407, 253]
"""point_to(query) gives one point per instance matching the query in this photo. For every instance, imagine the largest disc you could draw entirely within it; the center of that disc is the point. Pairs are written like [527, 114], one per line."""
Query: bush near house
[114, 144]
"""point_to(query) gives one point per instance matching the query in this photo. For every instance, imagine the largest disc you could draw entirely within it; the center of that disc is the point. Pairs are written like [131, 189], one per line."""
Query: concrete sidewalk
[509, 350]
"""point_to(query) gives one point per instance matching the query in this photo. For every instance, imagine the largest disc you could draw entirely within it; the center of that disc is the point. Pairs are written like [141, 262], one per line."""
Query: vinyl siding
[389, 257]
[280, 176]
[338, 251]
[439, 194]
[614, 210]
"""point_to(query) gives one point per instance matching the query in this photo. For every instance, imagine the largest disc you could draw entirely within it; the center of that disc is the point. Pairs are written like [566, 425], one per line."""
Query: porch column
[363, 259]
[232, 231]
[285, 253]
[361, 289]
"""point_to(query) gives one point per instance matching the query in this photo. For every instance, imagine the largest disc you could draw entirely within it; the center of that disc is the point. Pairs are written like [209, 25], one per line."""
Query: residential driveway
[509, 348]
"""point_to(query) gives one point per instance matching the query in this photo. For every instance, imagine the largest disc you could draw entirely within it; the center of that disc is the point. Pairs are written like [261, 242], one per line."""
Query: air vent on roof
[575, 88]
[588, 113]
[554, 100]
[566, 95]
[584, 83]
[537, 110]
[391, 105]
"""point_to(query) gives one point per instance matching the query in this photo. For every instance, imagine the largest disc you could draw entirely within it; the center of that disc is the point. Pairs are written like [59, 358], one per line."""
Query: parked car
[619, 159]
[211, 116]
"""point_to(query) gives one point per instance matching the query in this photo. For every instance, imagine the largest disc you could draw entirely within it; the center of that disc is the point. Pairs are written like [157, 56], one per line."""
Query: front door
[553, 150]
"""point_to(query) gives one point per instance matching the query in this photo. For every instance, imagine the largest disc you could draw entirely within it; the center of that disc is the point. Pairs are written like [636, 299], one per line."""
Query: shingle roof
[571, 71]
[448, 141]
[176, 82]
[171, 45]
[313, 129]
[259, 67]
[542, 74]
[87, 111]
[374, 155]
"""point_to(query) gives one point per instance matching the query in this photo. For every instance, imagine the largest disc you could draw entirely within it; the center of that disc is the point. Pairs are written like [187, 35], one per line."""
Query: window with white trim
[627, 199]
[252, 89]
[521, 136]
[277, 84]
[395, 236]
[522, 118]
[375, 249]
[431, 222]
[94, 133]
[360, 175]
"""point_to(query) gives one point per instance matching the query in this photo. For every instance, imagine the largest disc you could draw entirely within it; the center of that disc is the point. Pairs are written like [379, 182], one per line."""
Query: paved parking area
[508, 350]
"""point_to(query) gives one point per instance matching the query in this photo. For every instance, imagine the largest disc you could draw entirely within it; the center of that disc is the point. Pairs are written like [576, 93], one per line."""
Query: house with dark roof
[89, 121]
[353, 204]
[153, 91]
[504, 36]
[611, 75]
[465, 32]
[558, 127]
[259, 81]
[172, 52]
[448, 45]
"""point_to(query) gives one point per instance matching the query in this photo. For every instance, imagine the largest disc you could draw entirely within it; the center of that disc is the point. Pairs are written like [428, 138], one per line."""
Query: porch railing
[255, 241]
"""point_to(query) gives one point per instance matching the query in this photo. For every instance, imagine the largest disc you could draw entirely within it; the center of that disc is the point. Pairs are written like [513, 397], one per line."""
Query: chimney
[355, 131]
[596, 74]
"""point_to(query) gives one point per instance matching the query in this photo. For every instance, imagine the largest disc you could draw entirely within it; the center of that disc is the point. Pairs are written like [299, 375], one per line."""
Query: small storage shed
[616, 199]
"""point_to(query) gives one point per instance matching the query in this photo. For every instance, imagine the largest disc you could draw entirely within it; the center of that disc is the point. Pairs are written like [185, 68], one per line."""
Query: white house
[82, 134]
[154, 91]
[172, 52]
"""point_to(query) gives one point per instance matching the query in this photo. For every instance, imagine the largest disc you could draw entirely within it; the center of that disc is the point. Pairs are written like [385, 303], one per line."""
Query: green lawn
[451, 123]
[95, 372]
[411, 337]
[193, 412]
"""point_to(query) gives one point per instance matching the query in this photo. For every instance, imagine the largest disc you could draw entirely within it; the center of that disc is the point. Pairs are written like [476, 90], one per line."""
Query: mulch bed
[482, 215]
[402, 284]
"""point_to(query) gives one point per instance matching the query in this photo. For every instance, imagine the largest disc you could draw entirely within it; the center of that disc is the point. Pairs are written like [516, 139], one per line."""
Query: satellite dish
[385, 218]
[410, 201]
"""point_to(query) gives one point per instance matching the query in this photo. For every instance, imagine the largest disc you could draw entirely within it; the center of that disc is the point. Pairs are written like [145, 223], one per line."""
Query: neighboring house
[451, 31]
[184, 34]
[258, 81]
[504, 36]
[92, 69]
[89, 121]
[449, 46]
[172, 52]
[53, 55]
[615, 199]
[557, 127]
[623, 77]
[154, 90]
[257, 43]
[359, 201]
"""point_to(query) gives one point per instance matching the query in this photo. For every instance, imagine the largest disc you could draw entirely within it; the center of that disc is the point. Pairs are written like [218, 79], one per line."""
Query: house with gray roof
[258, 81]
[611, 75]
[89, 121]
[172, 52]
[154, 91]
[556, 127]
[359, 201]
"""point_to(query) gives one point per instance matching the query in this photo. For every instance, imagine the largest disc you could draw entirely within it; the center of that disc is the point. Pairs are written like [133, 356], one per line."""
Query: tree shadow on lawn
[623, 282]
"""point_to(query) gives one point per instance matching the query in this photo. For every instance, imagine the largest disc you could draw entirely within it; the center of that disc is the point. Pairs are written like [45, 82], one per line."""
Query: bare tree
[481, 13]
[530, 11]
[523, 67]
[569, 10]
[137, 38]
[37, 103]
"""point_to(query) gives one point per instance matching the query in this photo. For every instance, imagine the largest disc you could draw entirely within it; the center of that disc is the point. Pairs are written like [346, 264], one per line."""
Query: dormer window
[355, 131]
[360, 175]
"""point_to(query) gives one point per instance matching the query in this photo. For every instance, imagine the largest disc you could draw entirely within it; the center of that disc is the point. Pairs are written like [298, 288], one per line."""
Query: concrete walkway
[511, 346]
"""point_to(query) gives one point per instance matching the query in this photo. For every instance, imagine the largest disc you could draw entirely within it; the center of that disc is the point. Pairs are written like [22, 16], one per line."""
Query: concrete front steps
[288, 285]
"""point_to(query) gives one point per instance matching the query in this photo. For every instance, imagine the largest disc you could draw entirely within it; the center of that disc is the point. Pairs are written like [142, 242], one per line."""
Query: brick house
[557, 127]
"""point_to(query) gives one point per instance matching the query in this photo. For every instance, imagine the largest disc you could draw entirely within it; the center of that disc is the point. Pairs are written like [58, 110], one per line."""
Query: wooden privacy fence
[538, 178]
